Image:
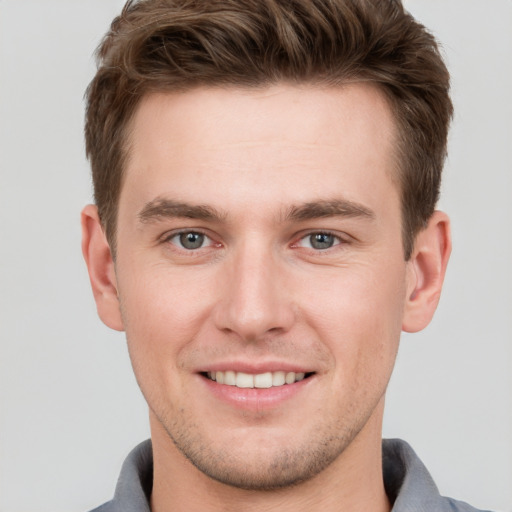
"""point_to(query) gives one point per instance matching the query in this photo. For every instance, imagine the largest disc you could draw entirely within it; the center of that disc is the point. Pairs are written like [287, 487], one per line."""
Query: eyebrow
[333, 208]
[161, 208]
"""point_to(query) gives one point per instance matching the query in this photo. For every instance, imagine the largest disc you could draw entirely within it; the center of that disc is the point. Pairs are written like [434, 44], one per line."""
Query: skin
[258, 173]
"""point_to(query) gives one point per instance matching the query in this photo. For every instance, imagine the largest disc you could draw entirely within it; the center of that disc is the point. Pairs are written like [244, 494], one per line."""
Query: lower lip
[255, 399]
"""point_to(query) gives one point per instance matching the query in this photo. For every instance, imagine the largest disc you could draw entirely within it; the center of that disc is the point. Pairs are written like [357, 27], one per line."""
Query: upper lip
[255, 368]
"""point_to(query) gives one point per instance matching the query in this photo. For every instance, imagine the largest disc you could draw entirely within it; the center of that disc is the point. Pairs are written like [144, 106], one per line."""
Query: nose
[255, 300]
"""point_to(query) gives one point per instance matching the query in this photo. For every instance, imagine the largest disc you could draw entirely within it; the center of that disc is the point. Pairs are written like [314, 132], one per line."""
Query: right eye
[190, 240]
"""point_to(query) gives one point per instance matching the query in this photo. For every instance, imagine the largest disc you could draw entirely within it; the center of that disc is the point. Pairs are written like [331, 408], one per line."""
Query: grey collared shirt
[408, 484]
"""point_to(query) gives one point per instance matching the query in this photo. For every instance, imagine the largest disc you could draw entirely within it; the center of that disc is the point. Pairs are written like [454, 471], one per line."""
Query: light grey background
[69, 407]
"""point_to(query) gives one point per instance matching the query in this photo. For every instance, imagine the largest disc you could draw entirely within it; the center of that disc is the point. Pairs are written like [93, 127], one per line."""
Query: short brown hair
[174, 45]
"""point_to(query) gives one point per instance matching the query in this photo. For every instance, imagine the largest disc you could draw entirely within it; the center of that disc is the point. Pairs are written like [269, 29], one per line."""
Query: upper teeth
[261, 380]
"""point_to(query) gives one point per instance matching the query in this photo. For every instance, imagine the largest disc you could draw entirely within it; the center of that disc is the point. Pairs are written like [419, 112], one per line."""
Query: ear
[100, 265]
[426, 270]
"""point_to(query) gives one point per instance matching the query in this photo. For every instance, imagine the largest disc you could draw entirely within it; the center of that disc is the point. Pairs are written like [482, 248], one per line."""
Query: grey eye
[191, 240]
[322, 240]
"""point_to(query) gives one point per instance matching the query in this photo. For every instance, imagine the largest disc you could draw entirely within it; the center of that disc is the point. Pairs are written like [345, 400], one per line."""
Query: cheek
[163, 313]
[359, 318]
[165, 297]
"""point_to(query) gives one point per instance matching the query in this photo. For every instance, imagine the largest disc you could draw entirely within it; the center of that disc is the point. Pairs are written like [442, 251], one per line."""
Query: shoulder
[460, 506]
[134, 484]
[409, 484]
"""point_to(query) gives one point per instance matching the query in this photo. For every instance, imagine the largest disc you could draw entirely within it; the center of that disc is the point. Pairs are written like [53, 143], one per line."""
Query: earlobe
[426, 270]
[100, 265]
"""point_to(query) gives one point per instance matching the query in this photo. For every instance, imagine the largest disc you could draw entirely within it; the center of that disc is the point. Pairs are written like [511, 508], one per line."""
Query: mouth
[260, 381]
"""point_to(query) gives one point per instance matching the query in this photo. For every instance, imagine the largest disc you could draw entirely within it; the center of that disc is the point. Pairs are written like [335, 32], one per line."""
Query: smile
[260, 380]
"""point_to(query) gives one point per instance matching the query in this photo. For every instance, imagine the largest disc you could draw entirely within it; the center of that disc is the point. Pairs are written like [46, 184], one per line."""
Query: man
[266, 174]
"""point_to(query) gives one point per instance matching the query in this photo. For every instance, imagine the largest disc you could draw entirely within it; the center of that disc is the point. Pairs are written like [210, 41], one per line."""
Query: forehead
[304, 140]
[303, 111]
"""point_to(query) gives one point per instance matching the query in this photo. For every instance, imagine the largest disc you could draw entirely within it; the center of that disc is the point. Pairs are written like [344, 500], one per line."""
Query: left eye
[319, 241]
[190, 240]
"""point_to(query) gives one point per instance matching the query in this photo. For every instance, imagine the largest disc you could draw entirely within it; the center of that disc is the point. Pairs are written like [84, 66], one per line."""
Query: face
[261, 275]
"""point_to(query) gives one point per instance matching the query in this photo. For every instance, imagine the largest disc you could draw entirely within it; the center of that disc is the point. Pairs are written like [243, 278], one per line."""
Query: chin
[263, 462]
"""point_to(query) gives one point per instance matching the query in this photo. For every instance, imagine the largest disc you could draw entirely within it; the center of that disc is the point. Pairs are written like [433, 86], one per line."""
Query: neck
[353, 482]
